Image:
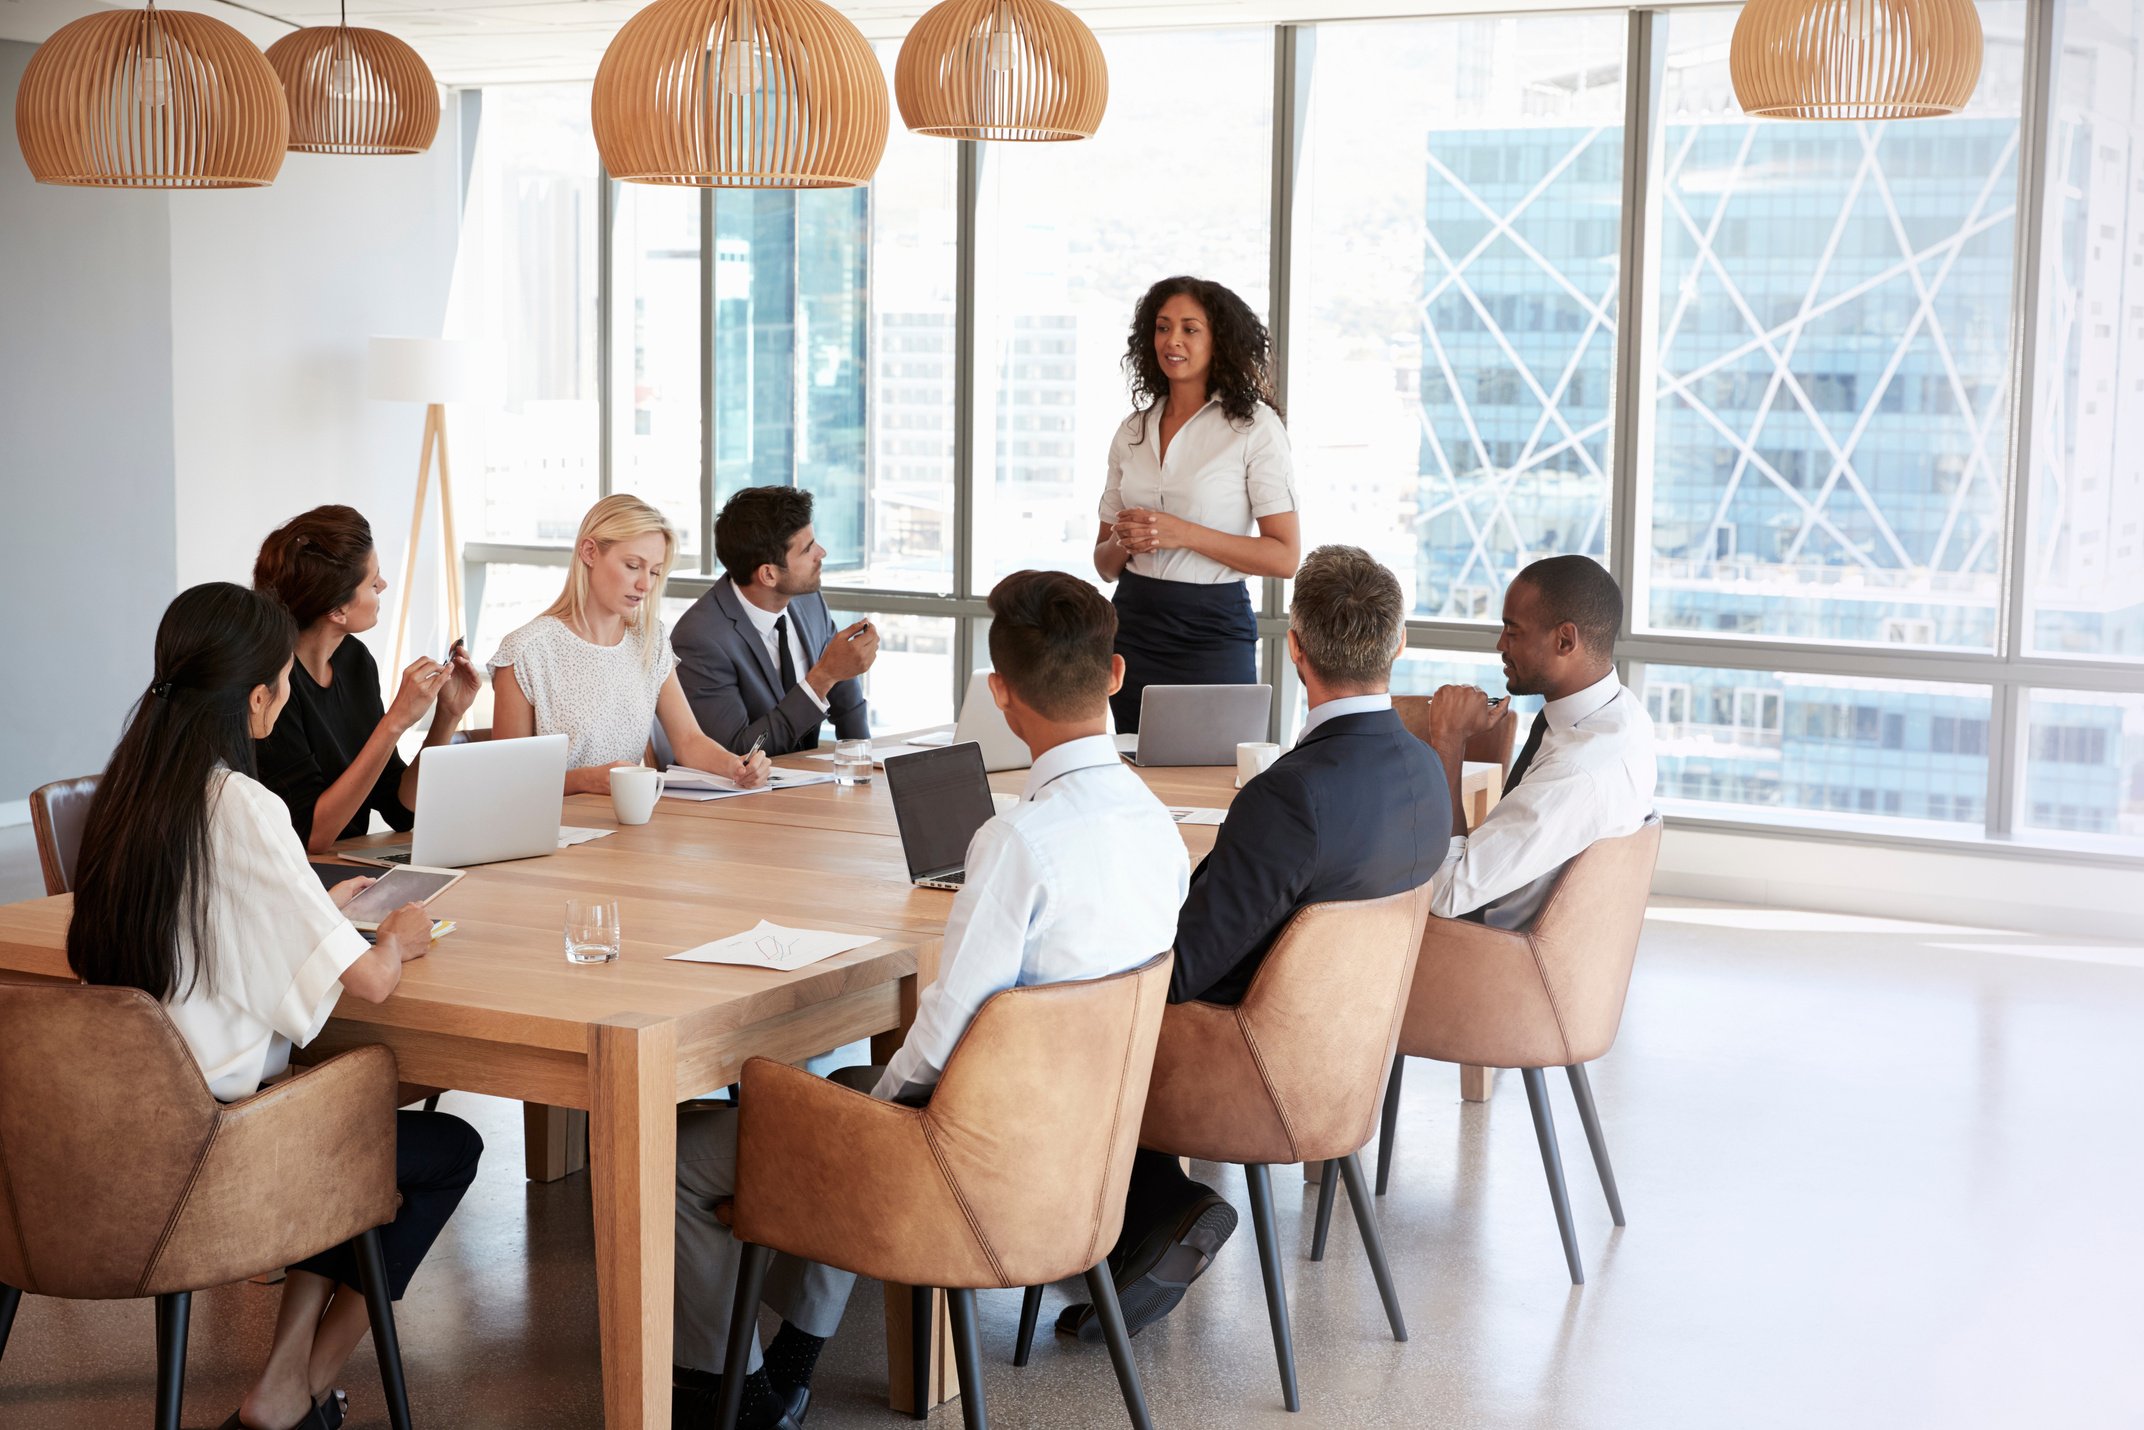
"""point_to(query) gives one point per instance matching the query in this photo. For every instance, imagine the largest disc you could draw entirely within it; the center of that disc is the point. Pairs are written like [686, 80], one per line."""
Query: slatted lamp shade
[740, 94]
[1001, 69]
[355, 91]
[1855, 59]
[151, 99]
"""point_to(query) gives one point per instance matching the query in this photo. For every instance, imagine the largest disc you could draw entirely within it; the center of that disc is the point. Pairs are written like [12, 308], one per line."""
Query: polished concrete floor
[1877, 1174]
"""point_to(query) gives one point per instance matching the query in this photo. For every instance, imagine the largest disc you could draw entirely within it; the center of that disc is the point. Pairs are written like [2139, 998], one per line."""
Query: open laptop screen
[940, 798]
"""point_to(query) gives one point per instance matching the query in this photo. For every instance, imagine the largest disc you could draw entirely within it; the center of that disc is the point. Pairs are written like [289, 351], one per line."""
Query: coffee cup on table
[1254, 758]
[633, 792]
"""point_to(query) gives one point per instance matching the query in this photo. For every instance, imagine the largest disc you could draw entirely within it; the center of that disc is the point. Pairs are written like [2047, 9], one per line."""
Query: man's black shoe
[1156, 1273]
[696, 1395]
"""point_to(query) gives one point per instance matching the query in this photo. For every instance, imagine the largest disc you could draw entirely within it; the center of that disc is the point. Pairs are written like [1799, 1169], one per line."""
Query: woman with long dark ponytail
[193, 887]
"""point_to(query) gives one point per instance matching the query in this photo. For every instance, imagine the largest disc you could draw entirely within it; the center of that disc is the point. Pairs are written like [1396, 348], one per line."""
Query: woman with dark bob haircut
[332, 757]
[1201, 493]
[193, 888]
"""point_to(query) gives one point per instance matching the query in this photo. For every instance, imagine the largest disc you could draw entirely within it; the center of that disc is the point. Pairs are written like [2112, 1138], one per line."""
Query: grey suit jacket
[734, 684]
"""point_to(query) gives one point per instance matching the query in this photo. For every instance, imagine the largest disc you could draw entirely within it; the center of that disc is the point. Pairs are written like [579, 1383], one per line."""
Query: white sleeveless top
[602, 698]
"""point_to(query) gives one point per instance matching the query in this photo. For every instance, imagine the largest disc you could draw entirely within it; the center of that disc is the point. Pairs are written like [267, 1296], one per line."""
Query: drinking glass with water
[592, 932]
[852, 762]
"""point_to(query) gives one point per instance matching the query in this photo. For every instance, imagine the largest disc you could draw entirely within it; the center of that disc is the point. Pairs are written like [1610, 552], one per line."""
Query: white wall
[86, 498]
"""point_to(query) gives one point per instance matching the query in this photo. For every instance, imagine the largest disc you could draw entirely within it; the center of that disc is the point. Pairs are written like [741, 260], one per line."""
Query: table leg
[554, 1141]
[1475, 1084]
[885, 1045]
[900, 1333]
[632, 1063]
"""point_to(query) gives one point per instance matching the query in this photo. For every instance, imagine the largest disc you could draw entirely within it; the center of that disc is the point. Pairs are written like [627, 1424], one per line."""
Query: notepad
[772, 946]
[1188, 814]
[682, 782]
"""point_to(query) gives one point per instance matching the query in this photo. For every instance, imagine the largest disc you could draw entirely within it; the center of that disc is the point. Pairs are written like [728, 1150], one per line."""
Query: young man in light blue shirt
[1081, 879]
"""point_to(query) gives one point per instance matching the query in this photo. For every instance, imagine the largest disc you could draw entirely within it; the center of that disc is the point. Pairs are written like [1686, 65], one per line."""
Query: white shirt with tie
[1081, 879]
[763, 622]
[1591, 779]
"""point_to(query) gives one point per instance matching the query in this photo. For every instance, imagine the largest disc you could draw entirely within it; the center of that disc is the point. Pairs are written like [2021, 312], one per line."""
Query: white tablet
[404, 884]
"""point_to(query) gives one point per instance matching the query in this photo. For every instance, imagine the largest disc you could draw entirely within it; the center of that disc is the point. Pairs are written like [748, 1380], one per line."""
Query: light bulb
[740, 70]
[1003, 52]
[152, 82]
[342, 78]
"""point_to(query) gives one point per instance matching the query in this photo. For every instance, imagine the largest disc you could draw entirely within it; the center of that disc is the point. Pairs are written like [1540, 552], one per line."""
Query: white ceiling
[490, 42]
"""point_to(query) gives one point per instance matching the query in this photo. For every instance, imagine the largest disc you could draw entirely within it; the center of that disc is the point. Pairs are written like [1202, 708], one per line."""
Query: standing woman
[598, 667]
[1201, 493]
[193, 888]
[332, 757]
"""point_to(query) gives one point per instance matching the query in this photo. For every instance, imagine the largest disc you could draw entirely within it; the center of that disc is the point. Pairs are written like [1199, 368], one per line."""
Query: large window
[1455, 320]
[1070, 236]
[655, 335]
[1833, 309]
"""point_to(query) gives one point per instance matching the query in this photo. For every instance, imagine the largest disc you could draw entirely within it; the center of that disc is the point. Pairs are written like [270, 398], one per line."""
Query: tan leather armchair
[1544, 997]
[122, 1177]
[57, 813]
[1292, 1073]
[1014, 1174]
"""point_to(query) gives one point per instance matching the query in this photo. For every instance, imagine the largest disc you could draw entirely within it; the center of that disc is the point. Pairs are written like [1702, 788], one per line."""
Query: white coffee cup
[633, 792]
[1254, 758]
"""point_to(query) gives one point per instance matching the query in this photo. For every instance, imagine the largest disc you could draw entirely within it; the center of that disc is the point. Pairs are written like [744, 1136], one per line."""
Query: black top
[1357, 810]
[319, 736]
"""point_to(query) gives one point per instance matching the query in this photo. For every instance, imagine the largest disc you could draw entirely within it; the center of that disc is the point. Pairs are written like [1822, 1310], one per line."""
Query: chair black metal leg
[10, 1298]
[1552, 1164]
[1260, 1182]
[1030, 1309]
[968, 1358]
[1372, 1242]
[1582, 1094]
[386, 1347]
[1328, 1182]
[1102, 1288]
[1388, 1124]
[923, 1324]
[431, 1104]
[171, 1315]
[744, 1325]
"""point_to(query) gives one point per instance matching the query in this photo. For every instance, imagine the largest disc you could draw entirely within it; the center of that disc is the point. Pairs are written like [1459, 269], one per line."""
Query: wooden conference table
[496, 1008]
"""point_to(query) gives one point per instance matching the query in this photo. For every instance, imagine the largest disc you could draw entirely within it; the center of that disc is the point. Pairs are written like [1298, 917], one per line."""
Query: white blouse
[281, 945]
[600, 696]
[1218, 473]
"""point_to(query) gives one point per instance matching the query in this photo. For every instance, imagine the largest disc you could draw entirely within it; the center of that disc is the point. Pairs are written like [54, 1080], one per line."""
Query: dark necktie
[781, 647]
[1527, 752]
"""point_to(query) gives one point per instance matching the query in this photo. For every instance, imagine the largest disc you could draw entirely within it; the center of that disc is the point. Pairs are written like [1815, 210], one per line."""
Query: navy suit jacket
[1357, 810]
[735, 686]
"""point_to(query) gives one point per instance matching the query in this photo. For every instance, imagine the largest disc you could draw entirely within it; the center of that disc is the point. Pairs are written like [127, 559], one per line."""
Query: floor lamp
[433, 371]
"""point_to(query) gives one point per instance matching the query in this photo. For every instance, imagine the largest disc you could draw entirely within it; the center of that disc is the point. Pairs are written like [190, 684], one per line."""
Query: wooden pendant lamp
[151, 99]
[355, 91]
[1001, 69]
[740, 94]
[1855, 59]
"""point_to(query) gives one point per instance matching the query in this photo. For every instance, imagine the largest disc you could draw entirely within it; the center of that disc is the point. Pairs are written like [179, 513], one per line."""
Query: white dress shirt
[1218, 473]
[1345, 705]
[763, 622]
[1591, 779]
[1083, 878]
[281, 945]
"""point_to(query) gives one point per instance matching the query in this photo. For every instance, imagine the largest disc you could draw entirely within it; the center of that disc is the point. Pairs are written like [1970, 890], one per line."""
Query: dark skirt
[1181, 633]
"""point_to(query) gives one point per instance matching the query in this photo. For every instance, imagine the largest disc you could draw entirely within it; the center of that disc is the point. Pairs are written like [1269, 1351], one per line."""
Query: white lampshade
[424, 370]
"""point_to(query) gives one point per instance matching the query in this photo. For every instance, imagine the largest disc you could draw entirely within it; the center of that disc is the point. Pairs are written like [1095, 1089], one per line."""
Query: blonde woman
[597, 666]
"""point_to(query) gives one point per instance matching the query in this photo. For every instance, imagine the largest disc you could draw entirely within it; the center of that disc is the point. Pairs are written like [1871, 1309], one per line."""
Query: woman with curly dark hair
[1201, 493]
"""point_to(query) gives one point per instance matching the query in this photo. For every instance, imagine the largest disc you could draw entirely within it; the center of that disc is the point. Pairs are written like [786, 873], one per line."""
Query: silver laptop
[940, 798]
[983, 724]
[482, 802]
[1197, 724]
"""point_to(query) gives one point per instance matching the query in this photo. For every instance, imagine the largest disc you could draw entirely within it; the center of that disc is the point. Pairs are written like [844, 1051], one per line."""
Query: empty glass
[852, 762]
[592, 932]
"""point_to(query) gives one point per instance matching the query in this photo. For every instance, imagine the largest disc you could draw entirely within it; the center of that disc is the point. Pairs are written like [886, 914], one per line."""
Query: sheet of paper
[880, 752]
[1190, 814]
[773, 946]
[572, 834]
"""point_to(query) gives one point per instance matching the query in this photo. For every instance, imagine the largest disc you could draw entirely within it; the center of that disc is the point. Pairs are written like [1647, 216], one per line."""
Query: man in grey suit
[758, 655]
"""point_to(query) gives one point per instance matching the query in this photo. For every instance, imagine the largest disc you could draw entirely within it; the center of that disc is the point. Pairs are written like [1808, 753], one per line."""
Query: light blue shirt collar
[1084, 753]
[1345, 705]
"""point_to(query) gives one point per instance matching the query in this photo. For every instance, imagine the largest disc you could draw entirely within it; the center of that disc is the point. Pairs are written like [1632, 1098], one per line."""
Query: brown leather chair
[1013, 1174]
[57, 813]
[1544, 997]
[122, 1177]
[1291, 1074]
[1492, 746]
